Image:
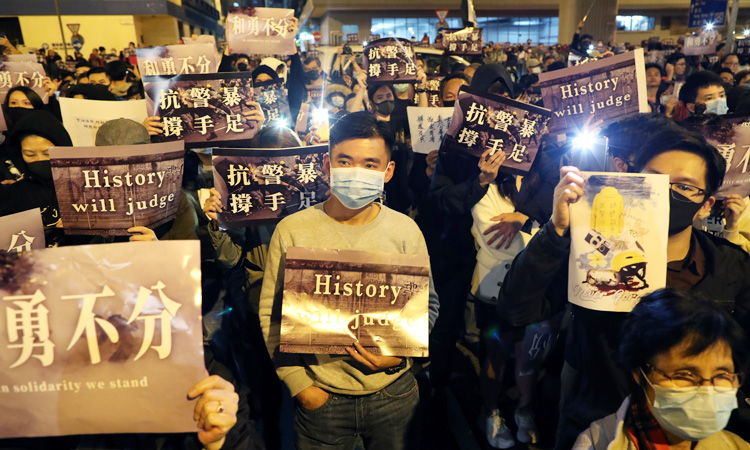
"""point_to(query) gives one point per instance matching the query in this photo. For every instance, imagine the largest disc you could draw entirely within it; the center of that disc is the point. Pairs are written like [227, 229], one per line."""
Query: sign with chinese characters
[703, 12]
[22, 232]
[28, 58]
[731, 136]
[484, 122]
[200, 39]
[28, 74]
[703, 43]
[335, 297]
[82, 118]
[742, 46]
[202, 110]
[269, 31]
[618, 240]
[463, 42]
[433, 90]
[177, 60]
[389, 60]
[610, 89]
[100, 339]
[273, 100]
[106, 190]
[428, 126]
[266, 185]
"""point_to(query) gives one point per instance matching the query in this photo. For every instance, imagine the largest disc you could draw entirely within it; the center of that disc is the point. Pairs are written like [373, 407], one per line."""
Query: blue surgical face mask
[693, 413]
[717, 106]
[356, 187]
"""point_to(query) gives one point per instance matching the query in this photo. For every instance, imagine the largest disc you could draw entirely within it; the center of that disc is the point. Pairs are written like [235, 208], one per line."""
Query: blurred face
[313, 66]
[83, 80]
[263, 77]
[727, 77]
[19, 100]
[709, 93]
[383, 94]
[653, 77]
[732, 63]
[35, 148]
[450, 91]
[81, 70]
[680, 66]
[99, 78]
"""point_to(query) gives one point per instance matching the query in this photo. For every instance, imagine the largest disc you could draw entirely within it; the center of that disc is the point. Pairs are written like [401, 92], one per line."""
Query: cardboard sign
[22, 232]
[203, 110]
[273, 99]
[731, 137]
[334, 297]
[428, 126]
[703, 43]
[261, 30]
[106, 190]
[703, 12]
[463, 42]
[484, 121]
[82, 118]
[610, 89]
[389, 60]
[100, 339]
[28, 74]
[618, 232]
[177, 60]
[262, 185]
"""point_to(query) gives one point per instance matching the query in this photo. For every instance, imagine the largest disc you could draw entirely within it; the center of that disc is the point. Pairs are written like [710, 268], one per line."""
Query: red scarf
[643, 429]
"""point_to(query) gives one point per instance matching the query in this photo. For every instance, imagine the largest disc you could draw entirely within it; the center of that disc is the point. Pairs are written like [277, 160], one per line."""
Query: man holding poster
[593, 385]
[327, 387]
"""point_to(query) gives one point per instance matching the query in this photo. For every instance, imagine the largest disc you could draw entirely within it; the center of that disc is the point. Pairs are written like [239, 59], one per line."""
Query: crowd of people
[666, 375]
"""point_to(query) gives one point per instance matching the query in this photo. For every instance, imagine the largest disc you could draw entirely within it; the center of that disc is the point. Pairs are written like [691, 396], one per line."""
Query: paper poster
[28, 74]
[202, 110]
[656, 57]
[27, 58]
[618, 232]
[334, 297]
[266, 185]
[389, 60]
[200, 39]
[428, 126]
[703, 12]
[106, 190]
[268, 31]
[433, 90]
[82, 118]
[463, 42]
[177, 60]
[610, 89]
[100, 339]
[731, 137]
[484, 121]
[22, 232]
[704, 43]
[273, 99]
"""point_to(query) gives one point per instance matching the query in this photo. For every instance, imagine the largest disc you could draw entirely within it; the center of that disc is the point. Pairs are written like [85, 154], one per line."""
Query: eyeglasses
[688, 193]
[685, 378]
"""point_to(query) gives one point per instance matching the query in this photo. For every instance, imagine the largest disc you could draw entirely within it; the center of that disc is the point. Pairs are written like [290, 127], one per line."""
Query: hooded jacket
[33, 191]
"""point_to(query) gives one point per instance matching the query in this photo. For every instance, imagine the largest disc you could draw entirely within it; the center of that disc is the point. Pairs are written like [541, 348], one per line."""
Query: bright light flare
[709, 26]
[584, 141]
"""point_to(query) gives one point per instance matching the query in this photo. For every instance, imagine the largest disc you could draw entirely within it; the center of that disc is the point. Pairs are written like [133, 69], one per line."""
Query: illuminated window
[635, 23]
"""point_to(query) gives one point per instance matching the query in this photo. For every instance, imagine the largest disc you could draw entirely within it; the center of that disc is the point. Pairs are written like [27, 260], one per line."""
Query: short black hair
[373, 88]
[697, 81]
[676, 56]
[360, 125]
[667, 317]
[83, 64]
[275, 136]
[720, 46]
[96, 70]
[454, 76]
[724, 59]
[627, 136]
[655, 66]
[312, 59]
[117, 70]
[674, 137]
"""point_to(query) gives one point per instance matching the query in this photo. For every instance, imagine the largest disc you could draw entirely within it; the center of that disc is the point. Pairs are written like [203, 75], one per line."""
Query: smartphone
[591, 155]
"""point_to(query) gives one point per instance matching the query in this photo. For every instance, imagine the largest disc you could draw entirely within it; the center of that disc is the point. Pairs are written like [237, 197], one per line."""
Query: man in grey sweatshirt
[362, 394]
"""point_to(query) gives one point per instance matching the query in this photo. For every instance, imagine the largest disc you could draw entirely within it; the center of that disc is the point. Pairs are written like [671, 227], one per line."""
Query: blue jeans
[385, 420]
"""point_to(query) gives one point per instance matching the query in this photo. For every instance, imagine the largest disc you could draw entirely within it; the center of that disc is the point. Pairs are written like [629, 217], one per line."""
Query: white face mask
[717, 106]
[356, 187]
[536, 70]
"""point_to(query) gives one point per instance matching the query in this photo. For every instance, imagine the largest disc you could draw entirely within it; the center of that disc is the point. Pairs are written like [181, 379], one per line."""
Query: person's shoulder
[395, 220]
[727, 440]
[300, 218]
[722, 250]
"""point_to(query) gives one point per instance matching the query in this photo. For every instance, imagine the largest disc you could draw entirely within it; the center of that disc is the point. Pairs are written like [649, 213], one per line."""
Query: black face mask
[41, 169]
[681, 212]
[242, 67]
[386, 107]
[449, 103]
[311, 76]
[15, 113]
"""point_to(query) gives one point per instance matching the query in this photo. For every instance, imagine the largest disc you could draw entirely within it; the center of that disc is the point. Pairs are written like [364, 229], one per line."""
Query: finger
[212, 382]
[138, 230]
[492, 228]
[359, 358]
[510, 237]
[214, 399]
[495, 237]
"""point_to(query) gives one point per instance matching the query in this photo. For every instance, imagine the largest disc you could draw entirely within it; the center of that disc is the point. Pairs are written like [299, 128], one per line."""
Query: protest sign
[106, 190]
[100, 339]
[22, 232]
[262, 185]
[467, 41]
[27, 74]
[273, 100]
[704, 43]
[703, 12]
[484, 121]
[335, 297]
[610, 89]
[433, 91]
[200, 39]
[731, 136]
[28, 58]
[742, 45]
[202, 110]
[618, 240]
[269, 31]
[389, 60]
[177, 60]
[82, 118]
[428, 126]
[656, 57]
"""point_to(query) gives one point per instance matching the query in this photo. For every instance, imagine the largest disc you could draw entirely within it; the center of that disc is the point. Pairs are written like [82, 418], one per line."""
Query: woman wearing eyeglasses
[684, 354]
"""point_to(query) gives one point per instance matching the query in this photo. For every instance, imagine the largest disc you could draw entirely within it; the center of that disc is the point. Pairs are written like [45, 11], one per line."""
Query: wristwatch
[396, 369]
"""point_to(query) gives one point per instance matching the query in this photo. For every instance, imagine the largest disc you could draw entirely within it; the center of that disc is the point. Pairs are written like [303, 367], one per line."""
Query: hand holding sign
[371, 361]
[212, 206]
[215, 411]
[489, 164]
[733, 207]
[568, 190]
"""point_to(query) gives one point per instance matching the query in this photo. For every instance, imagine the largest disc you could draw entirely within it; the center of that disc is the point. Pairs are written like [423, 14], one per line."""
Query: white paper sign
[82, 118]
[618, 231]
[428, 126]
